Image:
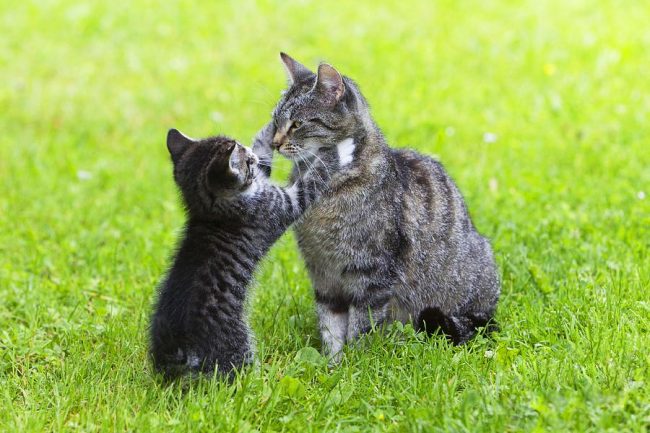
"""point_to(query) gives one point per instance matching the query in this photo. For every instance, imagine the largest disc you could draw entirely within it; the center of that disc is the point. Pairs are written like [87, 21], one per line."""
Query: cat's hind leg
[459, 329]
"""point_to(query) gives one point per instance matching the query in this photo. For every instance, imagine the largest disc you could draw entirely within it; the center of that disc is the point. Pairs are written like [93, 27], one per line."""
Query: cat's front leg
[333, 325]
[370, 284]
[368, 310]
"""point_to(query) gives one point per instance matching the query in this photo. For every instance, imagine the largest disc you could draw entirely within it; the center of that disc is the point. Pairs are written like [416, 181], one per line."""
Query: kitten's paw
[263, 148]
[263, 141]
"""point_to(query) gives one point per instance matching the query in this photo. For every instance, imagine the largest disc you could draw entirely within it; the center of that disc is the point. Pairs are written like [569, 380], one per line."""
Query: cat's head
[210, 169]
[317, 111]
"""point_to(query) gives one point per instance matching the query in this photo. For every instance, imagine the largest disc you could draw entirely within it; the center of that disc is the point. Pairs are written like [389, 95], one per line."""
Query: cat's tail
[459, 329]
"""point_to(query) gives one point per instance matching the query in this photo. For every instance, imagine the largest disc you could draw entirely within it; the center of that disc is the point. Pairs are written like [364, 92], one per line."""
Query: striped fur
[234, 215]
[392, 238]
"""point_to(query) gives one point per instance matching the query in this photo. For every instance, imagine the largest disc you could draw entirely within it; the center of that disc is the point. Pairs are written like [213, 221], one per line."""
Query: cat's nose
[278, 140]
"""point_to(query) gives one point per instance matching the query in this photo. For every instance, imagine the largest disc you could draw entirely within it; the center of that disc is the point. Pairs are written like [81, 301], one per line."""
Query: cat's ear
[177, 142]
[329, 83]
[295, 71]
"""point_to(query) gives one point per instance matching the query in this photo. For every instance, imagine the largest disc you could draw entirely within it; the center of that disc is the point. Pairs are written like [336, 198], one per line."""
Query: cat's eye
[296, 124]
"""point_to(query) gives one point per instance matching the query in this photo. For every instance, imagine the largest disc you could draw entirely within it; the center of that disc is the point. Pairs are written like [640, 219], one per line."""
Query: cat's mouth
[289, 151]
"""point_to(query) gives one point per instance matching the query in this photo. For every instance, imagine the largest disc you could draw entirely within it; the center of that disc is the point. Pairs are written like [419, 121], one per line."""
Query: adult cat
[392, 238]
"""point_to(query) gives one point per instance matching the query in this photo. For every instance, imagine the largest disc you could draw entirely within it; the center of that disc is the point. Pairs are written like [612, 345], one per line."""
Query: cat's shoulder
[409, 160]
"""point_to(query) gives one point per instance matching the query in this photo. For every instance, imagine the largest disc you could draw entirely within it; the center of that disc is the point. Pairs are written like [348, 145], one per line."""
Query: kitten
[392, 238]
[234, 215]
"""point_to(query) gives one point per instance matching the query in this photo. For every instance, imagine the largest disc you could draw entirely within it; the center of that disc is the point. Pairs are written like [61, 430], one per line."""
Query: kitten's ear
[295, 71]
[177, 142]
[329, 83]
[221, 168]
[231, 158]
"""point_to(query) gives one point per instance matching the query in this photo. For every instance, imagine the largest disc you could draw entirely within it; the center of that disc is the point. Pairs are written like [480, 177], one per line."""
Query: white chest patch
[345, 149]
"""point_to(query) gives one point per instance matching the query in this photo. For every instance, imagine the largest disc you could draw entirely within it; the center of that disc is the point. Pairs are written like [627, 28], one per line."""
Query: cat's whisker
[320, 174]
[299, 172]
[320, 160]
[314, 175]
[310, 166]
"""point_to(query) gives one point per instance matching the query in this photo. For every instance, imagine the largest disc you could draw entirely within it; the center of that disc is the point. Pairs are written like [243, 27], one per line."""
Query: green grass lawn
[539, 109]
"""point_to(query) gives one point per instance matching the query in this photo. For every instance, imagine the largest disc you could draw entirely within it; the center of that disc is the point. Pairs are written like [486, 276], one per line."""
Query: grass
[560, 183]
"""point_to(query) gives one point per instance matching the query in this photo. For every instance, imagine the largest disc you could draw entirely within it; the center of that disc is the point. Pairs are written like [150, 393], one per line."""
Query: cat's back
[443, 246]
[431, 199]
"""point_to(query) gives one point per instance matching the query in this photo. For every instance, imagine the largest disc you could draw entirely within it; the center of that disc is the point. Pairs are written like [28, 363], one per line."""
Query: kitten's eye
[296, 124]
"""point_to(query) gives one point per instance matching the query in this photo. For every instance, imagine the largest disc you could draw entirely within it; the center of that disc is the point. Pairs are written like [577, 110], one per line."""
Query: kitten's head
[317, 111]
[209, 170]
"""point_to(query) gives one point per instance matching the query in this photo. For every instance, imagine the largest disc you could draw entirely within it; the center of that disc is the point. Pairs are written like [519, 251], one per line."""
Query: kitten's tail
[458, 329]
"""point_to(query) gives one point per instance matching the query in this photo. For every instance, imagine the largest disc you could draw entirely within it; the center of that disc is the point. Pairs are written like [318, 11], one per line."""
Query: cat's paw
[334, 359]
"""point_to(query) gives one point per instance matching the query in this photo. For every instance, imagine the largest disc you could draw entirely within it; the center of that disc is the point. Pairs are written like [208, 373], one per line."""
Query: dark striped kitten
[392, 238]
[234, 215]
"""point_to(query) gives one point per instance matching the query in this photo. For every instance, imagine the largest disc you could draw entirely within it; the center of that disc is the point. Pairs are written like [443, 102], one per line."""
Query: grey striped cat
[234, 215]
[392, 238]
